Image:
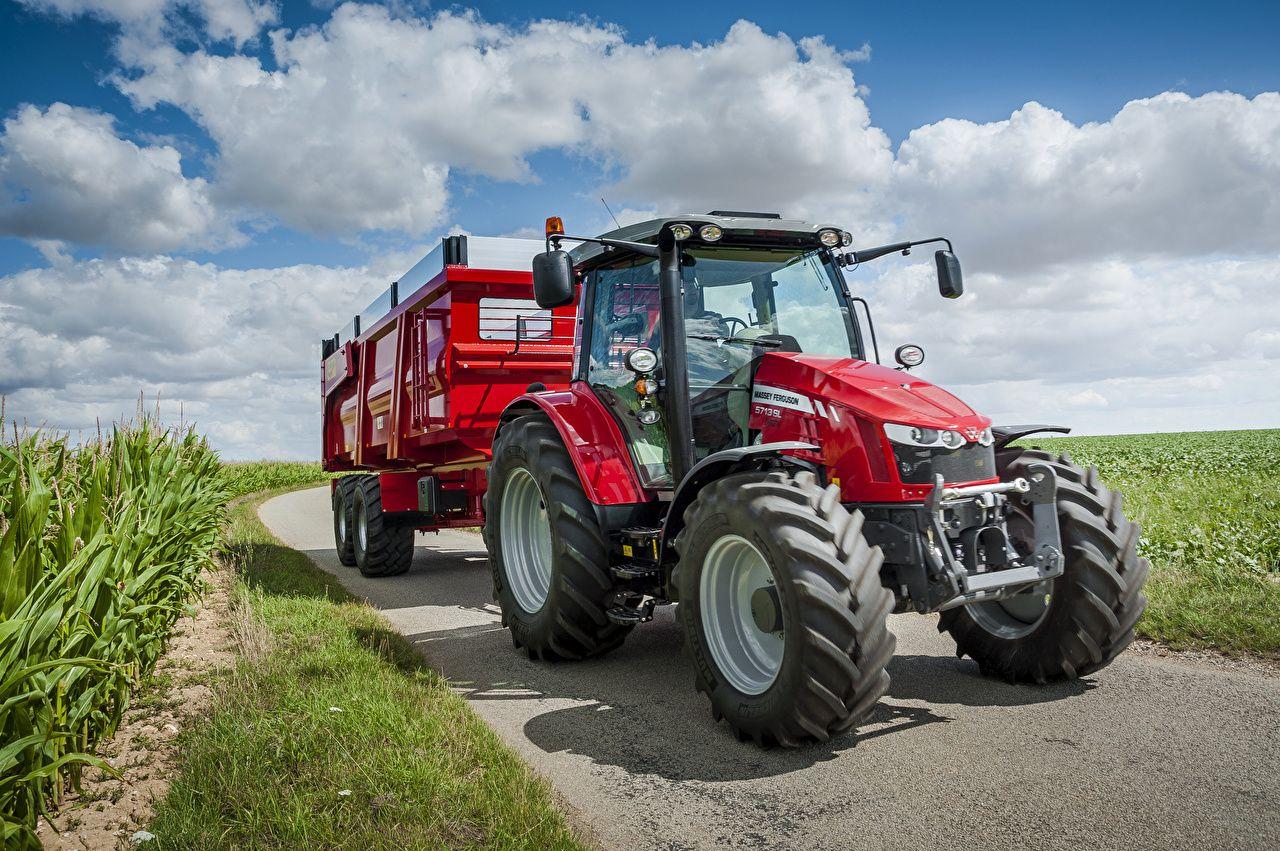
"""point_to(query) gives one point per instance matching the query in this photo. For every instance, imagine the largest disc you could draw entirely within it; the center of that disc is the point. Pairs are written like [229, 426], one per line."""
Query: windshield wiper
[750, 341]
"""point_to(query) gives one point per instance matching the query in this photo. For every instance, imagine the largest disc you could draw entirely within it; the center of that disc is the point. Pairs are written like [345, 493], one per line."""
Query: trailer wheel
[546, 550]
[1079, 622]
[383, 546]
[343, 503]
[782, 607]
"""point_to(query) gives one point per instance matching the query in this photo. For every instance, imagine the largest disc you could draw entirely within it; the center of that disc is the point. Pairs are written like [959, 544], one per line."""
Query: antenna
[611, 215]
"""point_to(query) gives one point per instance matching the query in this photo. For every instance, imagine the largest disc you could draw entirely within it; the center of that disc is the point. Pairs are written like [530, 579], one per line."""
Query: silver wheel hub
[741, 613]
[525, 535]
[362, 526]
[342, 523]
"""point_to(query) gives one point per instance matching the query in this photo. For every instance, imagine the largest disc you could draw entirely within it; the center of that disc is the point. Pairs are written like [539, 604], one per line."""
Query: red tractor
[726, 440]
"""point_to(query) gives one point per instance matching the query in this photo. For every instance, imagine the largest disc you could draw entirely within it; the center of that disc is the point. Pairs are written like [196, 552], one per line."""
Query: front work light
[829, 238]
[555, 226]
[641, 360]
[681, 232]
[710, 233]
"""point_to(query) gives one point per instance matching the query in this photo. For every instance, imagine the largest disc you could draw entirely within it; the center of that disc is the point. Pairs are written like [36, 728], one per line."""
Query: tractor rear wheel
[383, 546]
[782, 607]
[343, 503]
[1073, 625]
[546, 549]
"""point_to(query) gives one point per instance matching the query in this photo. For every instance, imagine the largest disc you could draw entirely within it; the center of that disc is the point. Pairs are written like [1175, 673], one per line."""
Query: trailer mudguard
[717, 465]
[593, 439]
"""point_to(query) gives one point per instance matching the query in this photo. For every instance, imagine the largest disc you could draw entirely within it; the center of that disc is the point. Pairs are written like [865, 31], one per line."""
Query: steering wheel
[729, 320]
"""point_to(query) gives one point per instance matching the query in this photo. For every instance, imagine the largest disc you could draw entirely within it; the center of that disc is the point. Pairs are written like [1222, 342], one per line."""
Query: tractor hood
[876, 392]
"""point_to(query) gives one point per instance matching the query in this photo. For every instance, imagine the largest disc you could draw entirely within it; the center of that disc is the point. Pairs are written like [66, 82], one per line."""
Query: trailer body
[414, 385]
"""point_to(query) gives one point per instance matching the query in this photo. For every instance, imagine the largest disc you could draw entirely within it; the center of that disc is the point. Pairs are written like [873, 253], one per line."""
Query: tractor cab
[738, 304]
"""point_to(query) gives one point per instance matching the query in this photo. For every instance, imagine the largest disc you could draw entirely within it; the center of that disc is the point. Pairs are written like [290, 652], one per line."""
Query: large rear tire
[383, 545]
[343, 503]
[1079, 622]
[782, 607]
[547, 551]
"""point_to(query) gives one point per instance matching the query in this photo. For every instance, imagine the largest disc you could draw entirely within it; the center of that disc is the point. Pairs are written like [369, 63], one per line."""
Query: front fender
[593, 439]
[1005, 435]
[713, 467]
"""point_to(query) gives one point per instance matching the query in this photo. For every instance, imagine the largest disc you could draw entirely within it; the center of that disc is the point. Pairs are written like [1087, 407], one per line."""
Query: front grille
[918, 465]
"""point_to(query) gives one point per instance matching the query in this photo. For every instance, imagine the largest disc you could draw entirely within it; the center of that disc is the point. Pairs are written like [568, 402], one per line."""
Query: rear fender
[593, 439]
[718, 465]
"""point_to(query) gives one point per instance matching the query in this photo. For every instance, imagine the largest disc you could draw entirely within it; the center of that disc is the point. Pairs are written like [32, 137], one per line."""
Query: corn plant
[101, 549]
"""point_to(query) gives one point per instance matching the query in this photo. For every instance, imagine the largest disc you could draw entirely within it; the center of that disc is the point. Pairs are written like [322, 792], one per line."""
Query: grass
[1209, 505]
[331, 733]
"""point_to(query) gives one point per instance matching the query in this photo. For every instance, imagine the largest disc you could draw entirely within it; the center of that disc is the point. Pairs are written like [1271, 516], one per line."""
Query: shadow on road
[637, 708]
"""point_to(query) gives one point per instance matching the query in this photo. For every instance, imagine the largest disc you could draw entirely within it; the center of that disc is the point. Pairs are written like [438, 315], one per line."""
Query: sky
[194, 192]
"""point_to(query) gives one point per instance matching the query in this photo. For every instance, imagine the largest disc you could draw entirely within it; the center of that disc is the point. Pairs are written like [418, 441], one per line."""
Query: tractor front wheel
[1073, 625]
[782, 606]
[546, 549]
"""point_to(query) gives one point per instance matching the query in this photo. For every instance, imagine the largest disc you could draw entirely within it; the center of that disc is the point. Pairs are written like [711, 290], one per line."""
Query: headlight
[641, 360]
[920, 436]
[829, 238]
[986, 438]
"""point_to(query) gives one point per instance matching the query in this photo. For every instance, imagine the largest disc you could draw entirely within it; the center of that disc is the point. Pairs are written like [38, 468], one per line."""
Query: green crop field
[1209, 505]
[245, 477]
[101, 549]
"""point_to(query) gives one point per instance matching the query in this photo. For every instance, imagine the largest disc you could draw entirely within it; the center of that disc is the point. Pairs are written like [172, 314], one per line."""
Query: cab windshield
[767, 299]
[739, 304]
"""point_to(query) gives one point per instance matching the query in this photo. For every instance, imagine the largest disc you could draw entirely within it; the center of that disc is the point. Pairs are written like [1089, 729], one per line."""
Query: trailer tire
[383, 546]
[343, 503]
[828, 596]
[1090, 612]
[576, 586]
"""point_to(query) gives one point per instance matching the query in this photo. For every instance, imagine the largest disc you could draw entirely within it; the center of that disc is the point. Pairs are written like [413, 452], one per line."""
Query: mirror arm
[868, 254]
[638, 247]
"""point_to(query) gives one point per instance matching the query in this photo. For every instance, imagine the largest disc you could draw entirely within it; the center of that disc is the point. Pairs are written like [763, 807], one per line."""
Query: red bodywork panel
[421, 390]
[595, 444]
[841, 405]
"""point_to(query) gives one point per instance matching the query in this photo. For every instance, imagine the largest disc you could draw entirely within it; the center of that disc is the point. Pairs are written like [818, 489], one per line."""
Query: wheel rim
[748, 657]
[1019, 615]
[362, 526]
[342, 523]
[526, 540]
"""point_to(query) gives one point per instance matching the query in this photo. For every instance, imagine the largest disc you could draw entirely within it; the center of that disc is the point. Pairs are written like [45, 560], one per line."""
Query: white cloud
[65, 175]
[362, 121]
[1104, 345]
[237, 21]
[235, 350]
[1170, 175]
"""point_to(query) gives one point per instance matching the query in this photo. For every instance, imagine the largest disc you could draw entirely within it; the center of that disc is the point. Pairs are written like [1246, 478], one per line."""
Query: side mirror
[950, 281]
[552, 279]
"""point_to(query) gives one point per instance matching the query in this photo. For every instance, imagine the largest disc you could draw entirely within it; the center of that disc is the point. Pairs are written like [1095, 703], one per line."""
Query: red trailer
[414, 385]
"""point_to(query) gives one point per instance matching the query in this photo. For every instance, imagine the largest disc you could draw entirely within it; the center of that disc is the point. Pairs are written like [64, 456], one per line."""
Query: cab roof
[738, 227]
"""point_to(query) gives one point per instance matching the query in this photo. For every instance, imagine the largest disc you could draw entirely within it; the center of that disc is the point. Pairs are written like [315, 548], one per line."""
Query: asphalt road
[1150, 753]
